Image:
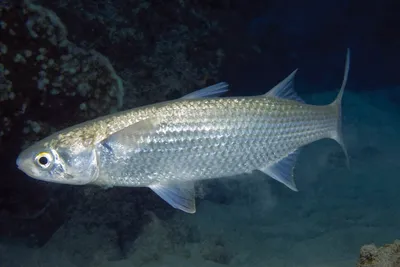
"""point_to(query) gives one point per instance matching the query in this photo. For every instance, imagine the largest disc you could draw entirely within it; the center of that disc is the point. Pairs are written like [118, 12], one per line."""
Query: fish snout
[25, 163]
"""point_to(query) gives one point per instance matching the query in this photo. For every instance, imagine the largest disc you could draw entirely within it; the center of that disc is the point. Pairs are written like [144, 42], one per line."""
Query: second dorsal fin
[285, 89]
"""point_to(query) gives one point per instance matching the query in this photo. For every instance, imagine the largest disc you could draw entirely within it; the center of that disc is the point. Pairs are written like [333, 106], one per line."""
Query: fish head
[58, 164]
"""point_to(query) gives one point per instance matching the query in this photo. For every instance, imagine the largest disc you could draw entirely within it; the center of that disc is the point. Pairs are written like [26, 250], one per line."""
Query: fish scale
[168, 146]
[207, 140]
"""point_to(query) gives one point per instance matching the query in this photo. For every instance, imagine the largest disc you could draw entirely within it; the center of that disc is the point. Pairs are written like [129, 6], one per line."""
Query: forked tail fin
[337, 135]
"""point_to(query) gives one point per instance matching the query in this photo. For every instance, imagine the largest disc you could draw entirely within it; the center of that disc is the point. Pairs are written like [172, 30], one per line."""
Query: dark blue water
[64, 62]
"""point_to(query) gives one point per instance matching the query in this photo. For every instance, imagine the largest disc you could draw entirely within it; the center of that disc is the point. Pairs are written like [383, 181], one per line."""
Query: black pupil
[43, 160]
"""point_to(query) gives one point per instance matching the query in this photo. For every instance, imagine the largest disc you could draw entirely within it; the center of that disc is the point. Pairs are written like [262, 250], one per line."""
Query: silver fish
[168, 146]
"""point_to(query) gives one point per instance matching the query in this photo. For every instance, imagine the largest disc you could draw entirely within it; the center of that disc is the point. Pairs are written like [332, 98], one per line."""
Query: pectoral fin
[179, 196]
[131, 138]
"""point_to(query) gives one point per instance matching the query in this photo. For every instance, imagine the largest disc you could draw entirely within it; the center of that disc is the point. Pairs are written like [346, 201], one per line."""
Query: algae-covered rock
[385, 256]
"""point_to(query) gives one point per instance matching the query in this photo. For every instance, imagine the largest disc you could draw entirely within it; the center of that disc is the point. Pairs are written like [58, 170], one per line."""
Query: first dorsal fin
[210, 91]
[285, 89]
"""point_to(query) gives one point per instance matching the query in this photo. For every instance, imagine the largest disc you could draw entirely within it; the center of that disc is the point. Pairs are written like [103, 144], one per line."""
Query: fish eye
[44, 159]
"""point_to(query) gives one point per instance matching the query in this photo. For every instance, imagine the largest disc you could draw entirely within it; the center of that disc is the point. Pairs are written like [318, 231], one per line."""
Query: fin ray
[210, 91]
[126, 140]
[337, 103]
[282, 171]
[285, 89]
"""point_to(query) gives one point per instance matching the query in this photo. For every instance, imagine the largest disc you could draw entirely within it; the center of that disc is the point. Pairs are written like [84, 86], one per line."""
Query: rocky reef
[44, 74]
[385, 256]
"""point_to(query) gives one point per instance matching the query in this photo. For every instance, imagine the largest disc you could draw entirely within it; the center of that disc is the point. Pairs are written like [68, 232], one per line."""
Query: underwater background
[66, 61]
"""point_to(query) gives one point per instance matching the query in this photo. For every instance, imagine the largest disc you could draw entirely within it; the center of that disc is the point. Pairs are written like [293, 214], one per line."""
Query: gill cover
[77, 168]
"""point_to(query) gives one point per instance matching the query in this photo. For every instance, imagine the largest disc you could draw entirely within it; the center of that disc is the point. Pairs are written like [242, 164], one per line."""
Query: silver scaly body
[208, 138]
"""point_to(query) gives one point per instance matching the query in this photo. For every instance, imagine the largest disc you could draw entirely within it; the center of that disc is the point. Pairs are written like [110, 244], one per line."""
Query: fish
[169, 146]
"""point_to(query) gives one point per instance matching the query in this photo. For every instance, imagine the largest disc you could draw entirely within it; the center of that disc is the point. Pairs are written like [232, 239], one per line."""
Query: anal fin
[180, 196]
[282, 171]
